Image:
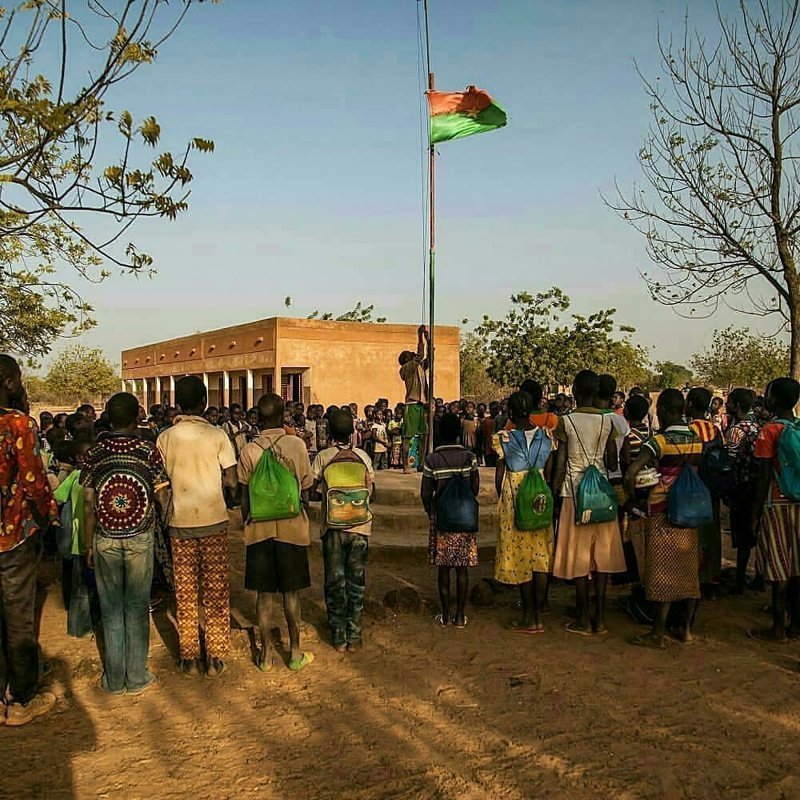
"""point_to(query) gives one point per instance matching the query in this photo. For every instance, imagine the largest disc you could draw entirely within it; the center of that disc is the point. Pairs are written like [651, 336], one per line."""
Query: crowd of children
[600, 487]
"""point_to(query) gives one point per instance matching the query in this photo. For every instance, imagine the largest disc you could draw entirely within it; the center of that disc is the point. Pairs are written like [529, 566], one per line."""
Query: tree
[53, 129]
[669, 375]
[721, 159]
[475, 381]
[530, 342]
[79, 375]
[739, 358]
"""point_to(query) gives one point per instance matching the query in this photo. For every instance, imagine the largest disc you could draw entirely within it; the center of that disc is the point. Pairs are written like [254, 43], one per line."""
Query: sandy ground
[424, 712]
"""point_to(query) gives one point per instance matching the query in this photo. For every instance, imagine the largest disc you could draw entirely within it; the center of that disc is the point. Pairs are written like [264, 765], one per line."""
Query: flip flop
[518, 627]
[462, 625]
[649, 640]
[296, 665]
[440, 620]
[573, 627]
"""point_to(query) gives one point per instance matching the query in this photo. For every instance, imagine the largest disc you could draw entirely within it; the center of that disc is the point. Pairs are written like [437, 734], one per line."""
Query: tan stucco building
[313, 361]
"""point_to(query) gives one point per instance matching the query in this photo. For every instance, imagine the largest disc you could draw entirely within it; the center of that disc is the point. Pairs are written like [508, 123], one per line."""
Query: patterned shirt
[125, 472]
[25, 493]
[676, 447]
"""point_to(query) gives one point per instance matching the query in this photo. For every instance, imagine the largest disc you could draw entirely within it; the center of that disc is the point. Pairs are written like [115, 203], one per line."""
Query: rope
[424, 127]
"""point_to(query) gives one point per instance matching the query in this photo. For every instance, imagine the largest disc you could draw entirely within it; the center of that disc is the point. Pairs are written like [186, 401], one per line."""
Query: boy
[778, 550]
[413, 372]
[588, 439]
[199, 460]
[380, 440]
[276, 551]
[122, 476]
[344, 550]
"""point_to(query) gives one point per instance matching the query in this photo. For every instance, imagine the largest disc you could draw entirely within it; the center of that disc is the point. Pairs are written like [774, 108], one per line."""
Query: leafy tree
[79, 375]
[721, 213]
[532, 341]
[740, 358]
[669, 375]
[53, 128]
[475, 381]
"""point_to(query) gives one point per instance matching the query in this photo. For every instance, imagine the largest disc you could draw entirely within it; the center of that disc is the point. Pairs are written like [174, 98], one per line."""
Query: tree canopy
[720, 207]
[474, 362]
[79, 374]
[58, 63]
[740, 358]
[669, 375]
[532, 341]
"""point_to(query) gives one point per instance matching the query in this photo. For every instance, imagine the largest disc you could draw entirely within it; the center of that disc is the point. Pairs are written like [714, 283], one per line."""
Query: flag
[458, 114]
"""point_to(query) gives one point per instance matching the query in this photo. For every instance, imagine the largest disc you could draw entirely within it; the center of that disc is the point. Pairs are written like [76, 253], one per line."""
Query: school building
[305, 360]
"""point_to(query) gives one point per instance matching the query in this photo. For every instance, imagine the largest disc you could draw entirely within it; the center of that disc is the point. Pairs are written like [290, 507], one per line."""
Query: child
[122, 477]
[777, 516]
[344, 548]
[79, 591]
[380, 441]
[395, 432]
[593, 549]
[672, 573]
[449, 550]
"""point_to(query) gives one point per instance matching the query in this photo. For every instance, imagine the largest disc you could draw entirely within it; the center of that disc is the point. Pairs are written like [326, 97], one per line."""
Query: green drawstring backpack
[273, 489]
[595, 499]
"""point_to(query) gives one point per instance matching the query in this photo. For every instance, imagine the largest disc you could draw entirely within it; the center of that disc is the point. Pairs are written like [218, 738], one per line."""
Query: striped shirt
[443, 464]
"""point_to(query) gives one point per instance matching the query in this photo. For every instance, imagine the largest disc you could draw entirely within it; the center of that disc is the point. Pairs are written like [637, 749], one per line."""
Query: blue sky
[314, 190]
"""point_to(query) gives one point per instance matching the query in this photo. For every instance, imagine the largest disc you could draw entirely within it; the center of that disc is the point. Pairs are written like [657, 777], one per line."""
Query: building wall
[340, 361]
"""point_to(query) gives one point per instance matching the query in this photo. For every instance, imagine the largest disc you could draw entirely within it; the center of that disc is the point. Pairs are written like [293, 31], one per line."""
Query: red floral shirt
[23, 483]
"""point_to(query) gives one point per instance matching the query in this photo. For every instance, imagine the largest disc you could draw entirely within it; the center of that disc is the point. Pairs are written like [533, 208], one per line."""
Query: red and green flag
[458, 114]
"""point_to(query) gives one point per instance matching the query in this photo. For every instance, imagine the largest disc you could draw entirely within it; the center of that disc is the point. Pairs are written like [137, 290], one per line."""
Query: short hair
[123, 410]
[84, 437]
[43, 415]
[520, 405]
[271, 408]
[54, 436]
[340, 423]
[214, 409]
[636, 408]
[450, 428]
[586, 384]
[699, 399]
[405, 357]
[786, 391]
[606, 386]
[534, 389]
[9, 368]
[156, 409]
[743, 398]
[86, 408]
[190, 393]
[670, 403]
[71, 422]
[236, 406]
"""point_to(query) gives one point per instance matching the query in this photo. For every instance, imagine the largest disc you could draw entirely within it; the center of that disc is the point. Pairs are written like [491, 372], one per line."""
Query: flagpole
[431, 250]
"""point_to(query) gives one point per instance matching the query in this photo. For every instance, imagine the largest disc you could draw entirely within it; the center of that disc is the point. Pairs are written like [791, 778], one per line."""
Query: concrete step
[402, 519]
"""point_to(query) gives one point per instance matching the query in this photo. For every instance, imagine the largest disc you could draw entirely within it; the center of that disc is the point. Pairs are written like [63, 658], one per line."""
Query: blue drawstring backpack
[789, 459]
[689, 501]
[595, 498]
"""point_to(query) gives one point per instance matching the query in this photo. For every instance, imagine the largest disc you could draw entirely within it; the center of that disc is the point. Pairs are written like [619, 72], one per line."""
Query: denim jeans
[124, 571]
[19, 648]
[345, 558]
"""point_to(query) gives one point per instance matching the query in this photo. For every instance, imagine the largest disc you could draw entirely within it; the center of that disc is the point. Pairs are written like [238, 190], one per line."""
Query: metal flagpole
[431, 251]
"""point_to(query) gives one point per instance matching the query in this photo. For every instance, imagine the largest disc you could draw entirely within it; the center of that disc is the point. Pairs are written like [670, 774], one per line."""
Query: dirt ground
[424, 712]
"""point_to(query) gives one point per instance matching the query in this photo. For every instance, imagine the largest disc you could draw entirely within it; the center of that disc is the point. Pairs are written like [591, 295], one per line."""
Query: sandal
[460, 625]
[578, 630]
[518, 627]
[439, 619]
[297, 665]
[651, 640]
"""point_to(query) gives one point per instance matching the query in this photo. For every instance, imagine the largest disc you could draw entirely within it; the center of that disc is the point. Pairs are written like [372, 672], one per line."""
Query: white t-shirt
[587, 435]
[378, 434]
[622, 429]
[324, 457]
[195, 452]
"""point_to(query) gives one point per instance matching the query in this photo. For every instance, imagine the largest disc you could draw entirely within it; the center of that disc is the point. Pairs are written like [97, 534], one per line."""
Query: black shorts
[276, 567]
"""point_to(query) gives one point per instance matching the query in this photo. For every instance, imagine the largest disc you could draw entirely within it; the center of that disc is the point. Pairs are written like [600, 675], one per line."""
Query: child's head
[82, 443]
[450, 428]
[534, 389]
[783, 394]
[698, 401]
[470, 409]
[636, 409]
[670, 407]
[77, 422]
[252, 417]
[123, 412]
[716, 405]
[224, 414]
[585, 388]
[212, 415]
[740, 401]
[519, 407]
[237, 412]
[45, 421]
[341, 426]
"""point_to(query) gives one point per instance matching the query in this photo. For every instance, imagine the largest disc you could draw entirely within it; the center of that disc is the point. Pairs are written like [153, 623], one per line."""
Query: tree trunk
[794, 346]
